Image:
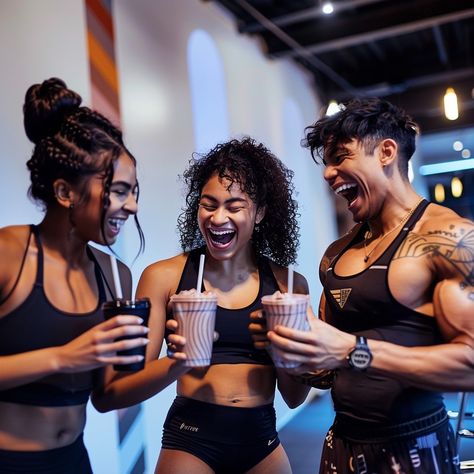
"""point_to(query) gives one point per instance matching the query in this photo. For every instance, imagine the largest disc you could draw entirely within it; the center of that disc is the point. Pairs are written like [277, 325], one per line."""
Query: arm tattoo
[454, 246]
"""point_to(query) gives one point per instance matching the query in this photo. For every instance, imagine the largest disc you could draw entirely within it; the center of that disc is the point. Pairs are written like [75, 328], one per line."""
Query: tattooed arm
[447, 247]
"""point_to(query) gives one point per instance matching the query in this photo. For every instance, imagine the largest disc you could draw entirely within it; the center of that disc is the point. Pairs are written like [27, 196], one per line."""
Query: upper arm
[453, 297]
[158, 282]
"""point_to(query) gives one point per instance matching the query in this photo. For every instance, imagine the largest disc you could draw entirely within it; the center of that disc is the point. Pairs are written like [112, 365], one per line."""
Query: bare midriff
[237, 385]
[33, 428]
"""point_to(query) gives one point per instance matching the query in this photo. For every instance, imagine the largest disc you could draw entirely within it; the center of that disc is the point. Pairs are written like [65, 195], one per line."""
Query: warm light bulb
[451, 104]
[456, 187]
[457, 145]
[327, 8]
[333, 108]
[439, 193]
[466, 153]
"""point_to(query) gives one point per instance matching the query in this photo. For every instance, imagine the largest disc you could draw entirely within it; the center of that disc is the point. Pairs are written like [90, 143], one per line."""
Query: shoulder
[300, 285]
[440, 223]
[13, 243]
[165, 272]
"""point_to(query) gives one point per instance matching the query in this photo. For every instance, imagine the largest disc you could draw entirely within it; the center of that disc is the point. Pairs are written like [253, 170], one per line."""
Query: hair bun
[46, 106]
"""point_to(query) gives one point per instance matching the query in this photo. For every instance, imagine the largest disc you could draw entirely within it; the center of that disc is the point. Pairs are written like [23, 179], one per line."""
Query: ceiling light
[451, 104]
[457, 145]
[466, 153]
[327, 8]
[456, 187]
[333, 108]
[447, 167]
[439, 194]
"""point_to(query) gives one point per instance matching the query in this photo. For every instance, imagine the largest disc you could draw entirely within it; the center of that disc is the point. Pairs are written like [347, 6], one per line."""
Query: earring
[71, 206]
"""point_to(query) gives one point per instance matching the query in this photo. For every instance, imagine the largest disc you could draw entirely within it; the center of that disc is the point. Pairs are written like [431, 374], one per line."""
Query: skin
[231, 273]
[432, 273]
[70, 285]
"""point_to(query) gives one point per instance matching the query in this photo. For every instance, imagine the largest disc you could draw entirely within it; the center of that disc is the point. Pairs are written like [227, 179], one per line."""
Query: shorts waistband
[366, 432]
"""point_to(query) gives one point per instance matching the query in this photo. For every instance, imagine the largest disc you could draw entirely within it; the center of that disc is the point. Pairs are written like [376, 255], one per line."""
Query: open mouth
[349, 191]
[115, 224]
[221, 238]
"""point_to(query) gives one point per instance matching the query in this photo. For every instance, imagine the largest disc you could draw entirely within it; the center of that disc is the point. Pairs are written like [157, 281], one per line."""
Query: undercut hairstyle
[72, 142]
[264, 178]
[368, 121]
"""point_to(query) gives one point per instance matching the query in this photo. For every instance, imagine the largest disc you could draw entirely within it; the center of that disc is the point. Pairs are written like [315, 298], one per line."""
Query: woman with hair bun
[53, 337]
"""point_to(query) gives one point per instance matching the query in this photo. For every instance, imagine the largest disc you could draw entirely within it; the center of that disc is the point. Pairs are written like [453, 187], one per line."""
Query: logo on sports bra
[341, 295]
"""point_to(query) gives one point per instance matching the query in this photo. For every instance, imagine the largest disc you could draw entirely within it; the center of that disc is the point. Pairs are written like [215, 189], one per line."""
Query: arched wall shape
[208, 91]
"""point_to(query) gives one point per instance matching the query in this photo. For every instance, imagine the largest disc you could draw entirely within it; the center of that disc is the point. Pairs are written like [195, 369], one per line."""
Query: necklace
[368, 234]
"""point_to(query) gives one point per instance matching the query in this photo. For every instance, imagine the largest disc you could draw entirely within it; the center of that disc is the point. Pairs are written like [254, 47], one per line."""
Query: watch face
[360, 358]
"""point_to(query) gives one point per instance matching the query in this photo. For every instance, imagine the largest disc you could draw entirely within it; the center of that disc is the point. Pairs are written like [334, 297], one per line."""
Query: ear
[388, 151]
[260, 214]
[65, 195]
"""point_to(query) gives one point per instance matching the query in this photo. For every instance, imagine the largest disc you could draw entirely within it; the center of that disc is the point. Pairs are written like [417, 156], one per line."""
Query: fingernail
[139, 320]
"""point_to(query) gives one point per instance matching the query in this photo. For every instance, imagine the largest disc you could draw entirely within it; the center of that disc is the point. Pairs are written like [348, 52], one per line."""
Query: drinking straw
[290, 279]
[115, 275]
[200, 273]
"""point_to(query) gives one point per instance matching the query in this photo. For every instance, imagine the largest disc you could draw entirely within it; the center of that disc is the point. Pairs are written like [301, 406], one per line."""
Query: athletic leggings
[71, 459]
[422, 446]
[230, 440]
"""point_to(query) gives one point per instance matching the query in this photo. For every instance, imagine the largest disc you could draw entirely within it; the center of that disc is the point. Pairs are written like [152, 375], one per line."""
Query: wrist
[360, 357]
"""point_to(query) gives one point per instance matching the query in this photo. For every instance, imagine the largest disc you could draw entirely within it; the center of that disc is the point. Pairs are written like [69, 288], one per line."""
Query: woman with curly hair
[240, 213]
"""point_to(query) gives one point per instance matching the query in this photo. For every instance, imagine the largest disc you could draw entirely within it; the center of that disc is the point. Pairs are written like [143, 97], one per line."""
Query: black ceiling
[408, 51]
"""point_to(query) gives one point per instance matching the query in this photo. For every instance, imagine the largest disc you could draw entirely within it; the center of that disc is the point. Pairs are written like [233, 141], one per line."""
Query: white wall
[47, 38]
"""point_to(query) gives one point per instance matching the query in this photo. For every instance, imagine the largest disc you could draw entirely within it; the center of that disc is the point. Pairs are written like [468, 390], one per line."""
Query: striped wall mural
[105, 99]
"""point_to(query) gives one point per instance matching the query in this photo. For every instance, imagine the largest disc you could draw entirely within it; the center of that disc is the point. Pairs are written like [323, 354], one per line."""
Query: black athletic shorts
[71, 459]
[230, 440]
[422, 446]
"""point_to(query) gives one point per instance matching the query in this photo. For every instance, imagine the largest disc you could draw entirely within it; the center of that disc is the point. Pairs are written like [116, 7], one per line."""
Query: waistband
[221, 423]
[66, 459]
[367, 432]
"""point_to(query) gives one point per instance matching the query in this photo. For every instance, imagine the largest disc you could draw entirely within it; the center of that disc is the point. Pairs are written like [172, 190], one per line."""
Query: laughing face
[357, 176]
[226, 217]
[123, 203]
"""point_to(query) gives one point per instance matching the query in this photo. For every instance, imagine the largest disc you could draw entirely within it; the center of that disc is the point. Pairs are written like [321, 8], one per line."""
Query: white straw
[200, 273]
[115, 275]
[290, 279]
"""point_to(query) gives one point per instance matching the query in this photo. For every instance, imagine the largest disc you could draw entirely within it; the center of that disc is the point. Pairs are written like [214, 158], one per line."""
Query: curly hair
[368, 121]
[264, 178]
[71, 142]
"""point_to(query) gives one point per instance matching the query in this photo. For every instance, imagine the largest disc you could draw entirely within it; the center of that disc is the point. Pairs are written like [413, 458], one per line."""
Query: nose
[219, 216]
[131, 204]
[330, 172]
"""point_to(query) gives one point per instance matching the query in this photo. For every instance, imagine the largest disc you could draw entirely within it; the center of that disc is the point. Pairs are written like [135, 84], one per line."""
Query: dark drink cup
[139, 307]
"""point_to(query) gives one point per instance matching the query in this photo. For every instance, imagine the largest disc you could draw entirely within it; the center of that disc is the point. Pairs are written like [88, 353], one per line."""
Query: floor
[303, 436]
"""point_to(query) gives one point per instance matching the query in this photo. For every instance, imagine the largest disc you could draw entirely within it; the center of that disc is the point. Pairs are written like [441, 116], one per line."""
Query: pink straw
[290, 279]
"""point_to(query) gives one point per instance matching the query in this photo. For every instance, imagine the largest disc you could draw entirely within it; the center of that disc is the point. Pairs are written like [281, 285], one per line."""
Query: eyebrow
[123, 183]
[227, 201]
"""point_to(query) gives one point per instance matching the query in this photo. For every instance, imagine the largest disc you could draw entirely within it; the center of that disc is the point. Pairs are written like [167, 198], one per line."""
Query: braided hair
[72, 142]
[264, 178]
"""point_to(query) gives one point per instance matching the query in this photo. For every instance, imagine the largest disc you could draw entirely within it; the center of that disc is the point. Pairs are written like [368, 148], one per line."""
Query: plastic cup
[286, 310]
[196, 317]
[139, 307]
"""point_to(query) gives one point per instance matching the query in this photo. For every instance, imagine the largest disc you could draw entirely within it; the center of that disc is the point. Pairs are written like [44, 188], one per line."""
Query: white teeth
[116, 222]
[344, 187]
[221, 232]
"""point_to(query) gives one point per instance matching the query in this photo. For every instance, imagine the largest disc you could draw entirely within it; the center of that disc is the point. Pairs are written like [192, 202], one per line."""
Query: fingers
[120, 320]
[172, 325]
[291, 345]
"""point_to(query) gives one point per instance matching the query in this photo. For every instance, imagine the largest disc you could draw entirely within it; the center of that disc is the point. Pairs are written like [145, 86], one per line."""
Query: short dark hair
[368, 121]
[72, 142]
[267, 182]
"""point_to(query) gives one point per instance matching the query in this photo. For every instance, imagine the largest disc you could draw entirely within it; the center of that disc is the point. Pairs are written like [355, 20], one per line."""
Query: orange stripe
[102, 15]
[99, 82]
[101, 104]
[102, 62]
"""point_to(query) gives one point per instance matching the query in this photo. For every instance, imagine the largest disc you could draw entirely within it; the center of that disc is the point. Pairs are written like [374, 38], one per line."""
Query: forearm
[137, 387]
[293, 392]
[444, 367]
[27, 367]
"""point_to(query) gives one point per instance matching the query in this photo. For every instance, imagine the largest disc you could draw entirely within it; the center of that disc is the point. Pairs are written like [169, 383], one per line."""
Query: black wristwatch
[360, 356]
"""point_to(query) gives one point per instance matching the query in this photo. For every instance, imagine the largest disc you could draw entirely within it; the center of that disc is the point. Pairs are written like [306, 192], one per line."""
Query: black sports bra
[234, 345]
[37, 324]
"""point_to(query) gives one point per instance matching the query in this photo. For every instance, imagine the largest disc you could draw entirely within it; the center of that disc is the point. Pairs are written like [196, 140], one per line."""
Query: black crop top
[234, 345]
[37, 324]
[362, 304]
